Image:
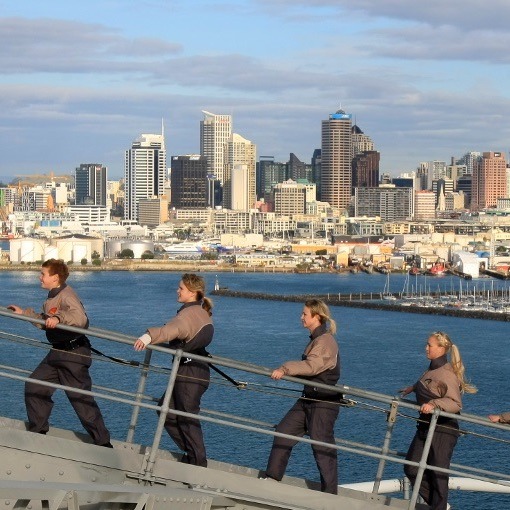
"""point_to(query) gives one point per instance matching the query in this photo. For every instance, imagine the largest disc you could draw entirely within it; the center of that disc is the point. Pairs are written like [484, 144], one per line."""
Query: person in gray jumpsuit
[192, 331]
[440, 387]
[316, 411]
[68, 361]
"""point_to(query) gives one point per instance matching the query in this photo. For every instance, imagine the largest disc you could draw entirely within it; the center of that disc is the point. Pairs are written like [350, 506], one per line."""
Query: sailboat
[386, 291]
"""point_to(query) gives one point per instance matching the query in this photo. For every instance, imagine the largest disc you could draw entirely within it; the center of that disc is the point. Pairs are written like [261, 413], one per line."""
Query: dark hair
[58, 267]
[195, 283]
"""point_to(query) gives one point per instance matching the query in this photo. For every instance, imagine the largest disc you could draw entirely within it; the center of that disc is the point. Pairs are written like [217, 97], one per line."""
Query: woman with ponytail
[192, 331]
[439, 387]
[316, 411]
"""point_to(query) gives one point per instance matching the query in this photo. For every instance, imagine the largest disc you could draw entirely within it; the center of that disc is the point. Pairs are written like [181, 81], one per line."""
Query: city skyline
[80, 81]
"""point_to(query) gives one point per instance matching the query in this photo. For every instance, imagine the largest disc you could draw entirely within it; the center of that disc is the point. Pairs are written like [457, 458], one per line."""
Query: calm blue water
[381, 351]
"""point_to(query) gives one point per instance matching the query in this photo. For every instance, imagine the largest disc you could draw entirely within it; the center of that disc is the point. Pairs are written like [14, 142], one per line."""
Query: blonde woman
[441, 386]
[192, 331]
[316, 411]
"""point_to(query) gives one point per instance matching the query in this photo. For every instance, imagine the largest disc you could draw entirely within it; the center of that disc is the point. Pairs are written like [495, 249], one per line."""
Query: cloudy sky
[80, 81]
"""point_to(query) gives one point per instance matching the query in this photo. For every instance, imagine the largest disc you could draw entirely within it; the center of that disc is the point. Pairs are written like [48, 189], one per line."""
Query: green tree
[96, 262]
[126, 254]
[95, 255]
[83, 261]
[147, 254]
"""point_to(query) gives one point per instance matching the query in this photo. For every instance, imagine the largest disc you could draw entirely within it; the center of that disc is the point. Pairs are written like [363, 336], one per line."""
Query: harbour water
[381, 351]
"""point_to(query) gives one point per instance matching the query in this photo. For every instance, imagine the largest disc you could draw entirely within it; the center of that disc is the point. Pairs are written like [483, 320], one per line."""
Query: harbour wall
[369, 301]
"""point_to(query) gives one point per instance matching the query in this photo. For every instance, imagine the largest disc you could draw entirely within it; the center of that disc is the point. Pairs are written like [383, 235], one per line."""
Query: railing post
[423, 461]
[139, 394]
[392, 418]
[163, 414]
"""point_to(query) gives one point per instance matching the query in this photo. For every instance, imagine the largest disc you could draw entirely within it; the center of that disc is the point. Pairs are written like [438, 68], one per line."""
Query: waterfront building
[144, 172]
[424, 205]
[239, 151]
[225, 221]
[489, 181]
[336, 173]
[90, 184]
[189, 182]
[215, 132]
[386, 201]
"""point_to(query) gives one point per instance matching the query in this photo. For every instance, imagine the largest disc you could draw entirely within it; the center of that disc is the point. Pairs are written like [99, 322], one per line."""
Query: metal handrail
[384, 454]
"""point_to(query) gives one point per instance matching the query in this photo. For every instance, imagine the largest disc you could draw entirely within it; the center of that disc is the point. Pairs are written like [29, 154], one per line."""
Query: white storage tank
[138, 247]
[113, 248]
[26, 250]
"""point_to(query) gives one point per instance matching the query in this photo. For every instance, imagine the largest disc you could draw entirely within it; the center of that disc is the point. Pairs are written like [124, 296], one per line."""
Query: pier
[373, 301]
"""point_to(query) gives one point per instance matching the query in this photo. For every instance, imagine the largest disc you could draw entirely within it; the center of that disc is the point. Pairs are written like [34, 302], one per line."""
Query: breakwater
[369, 301]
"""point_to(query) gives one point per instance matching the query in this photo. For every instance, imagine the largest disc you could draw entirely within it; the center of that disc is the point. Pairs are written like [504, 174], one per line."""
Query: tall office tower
[336, 181]
[365, 170]
[90, 184]
[144, 172]
[317, 170]
[469, 159]
[296, 169]
[360, 141]
[489, 181]
[215, 131]
[239, 151]
[270, 172]
[189, 182]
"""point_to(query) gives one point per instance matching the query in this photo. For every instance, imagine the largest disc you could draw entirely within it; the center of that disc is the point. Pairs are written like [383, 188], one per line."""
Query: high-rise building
[90, 184]
[269, 173]
[317, 170]
[360, 141]
[215, 131]
[424, 205]
[386, 201]
[144, 172]
[297, 169]
[336, 174]
[289, 198]
[489, 181]
[469, 159]
[189, 182]
[365, 169]
[239, 151]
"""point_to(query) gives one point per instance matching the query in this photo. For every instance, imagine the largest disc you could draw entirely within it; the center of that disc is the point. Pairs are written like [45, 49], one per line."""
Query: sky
[80, 81]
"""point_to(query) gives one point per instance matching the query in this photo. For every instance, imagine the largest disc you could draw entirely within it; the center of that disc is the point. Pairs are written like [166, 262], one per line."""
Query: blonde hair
[318, 307]
[443, 340]
[195, 283]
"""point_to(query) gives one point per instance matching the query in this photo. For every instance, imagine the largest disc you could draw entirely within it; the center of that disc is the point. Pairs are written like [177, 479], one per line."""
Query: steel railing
[138, 401]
